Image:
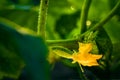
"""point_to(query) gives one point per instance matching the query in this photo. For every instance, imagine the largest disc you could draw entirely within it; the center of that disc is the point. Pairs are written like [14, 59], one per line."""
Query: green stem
[42, 18]
[71, 44]
[81, 72]
[84, 15]
[81, 68]
[105, 20]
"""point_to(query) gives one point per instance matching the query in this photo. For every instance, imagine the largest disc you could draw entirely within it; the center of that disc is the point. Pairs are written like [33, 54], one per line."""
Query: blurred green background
[63, 18]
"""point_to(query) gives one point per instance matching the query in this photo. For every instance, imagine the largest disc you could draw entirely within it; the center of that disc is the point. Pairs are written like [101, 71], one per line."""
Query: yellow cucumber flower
[84, 57]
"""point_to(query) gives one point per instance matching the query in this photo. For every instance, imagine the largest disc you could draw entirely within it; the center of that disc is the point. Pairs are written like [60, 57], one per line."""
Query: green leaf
[98, 11]
[18, 46]
[11, 63]
[105, 47]
[104, 43]
[115, 65]
[113, 29]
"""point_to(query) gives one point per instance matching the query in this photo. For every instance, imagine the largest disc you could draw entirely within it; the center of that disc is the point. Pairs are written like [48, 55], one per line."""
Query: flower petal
[96, 56]
[88, 63]
[85, 58]
[85, 48]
